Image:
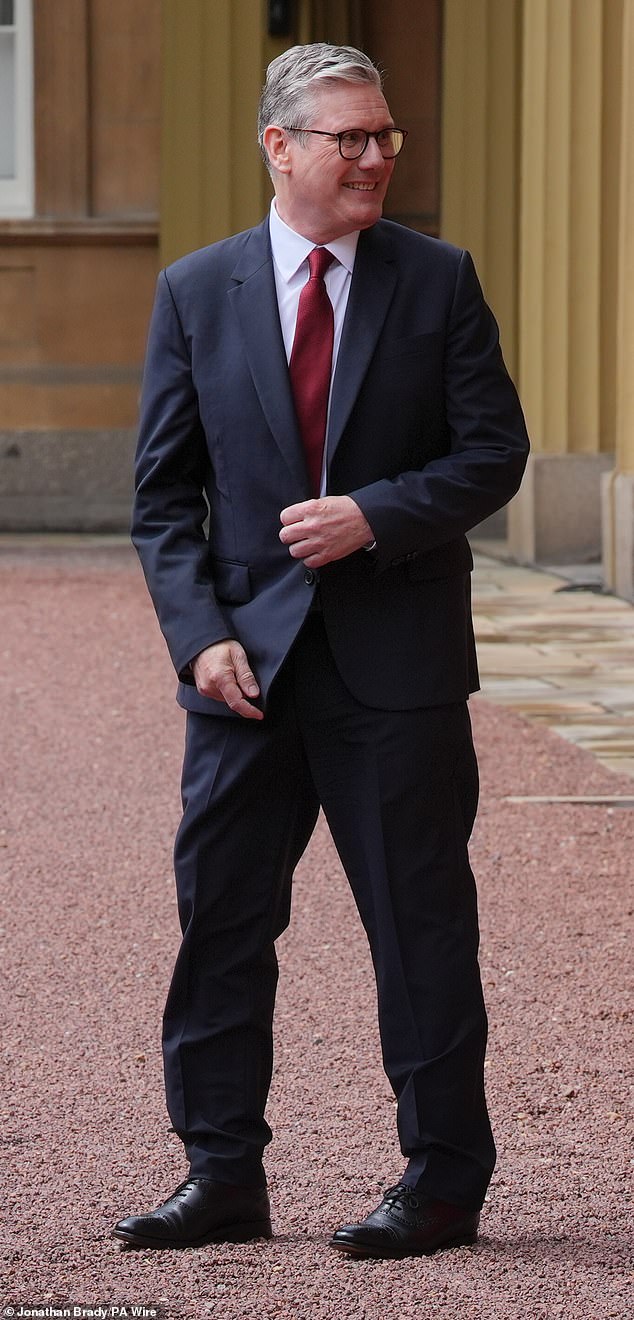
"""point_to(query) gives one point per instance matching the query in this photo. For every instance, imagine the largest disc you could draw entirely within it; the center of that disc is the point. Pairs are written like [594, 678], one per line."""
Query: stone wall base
[66, 481]
[556, 517]
[618, 533]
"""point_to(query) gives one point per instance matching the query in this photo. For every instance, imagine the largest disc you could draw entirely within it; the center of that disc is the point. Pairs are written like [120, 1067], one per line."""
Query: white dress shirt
[290, 265]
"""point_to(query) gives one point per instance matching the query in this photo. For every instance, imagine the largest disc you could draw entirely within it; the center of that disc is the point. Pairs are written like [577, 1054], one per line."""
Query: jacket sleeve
[419, 510]
[170, 508]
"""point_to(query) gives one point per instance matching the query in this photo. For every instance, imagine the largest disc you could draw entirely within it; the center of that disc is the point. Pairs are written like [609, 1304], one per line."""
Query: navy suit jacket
[426, 434]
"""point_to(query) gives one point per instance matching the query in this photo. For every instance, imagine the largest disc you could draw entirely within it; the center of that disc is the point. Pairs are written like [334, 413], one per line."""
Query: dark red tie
[311, 362]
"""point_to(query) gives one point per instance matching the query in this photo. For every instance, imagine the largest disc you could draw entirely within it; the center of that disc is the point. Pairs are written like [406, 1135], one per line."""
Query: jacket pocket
[231, 581]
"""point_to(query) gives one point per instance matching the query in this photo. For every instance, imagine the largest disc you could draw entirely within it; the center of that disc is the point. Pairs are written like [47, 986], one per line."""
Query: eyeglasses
[353, 141]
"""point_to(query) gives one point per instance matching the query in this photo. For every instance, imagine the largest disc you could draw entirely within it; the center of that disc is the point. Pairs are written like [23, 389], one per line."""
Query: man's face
[320, 194]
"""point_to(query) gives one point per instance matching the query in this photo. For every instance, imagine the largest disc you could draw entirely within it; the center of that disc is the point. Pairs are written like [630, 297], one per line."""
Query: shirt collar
[290, 249]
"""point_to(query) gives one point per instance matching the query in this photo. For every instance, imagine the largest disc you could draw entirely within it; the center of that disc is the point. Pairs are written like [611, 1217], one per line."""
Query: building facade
[127, 138]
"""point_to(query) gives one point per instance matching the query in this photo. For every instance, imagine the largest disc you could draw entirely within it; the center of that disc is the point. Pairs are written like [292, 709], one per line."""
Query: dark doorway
[404, 38]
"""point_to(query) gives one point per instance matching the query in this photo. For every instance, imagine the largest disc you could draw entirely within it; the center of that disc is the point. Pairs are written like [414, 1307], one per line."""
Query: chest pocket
[413, 345]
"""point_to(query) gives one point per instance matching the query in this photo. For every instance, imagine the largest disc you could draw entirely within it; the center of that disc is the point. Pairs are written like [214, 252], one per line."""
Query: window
[16, 108]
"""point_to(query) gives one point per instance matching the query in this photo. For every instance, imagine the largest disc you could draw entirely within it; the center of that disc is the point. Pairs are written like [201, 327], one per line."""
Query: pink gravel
[92, 744]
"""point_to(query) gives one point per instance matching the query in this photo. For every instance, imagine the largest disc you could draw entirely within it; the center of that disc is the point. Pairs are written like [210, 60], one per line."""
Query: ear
[277, 147]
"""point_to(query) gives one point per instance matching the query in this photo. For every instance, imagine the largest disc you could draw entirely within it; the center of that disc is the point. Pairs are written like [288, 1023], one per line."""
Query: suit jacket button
[309, 577]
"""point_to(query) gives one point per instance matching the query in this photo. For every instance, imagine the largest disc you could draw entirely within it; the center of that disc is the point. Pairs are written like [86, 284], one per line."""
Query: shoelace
[181, 1192]
[402, 1193]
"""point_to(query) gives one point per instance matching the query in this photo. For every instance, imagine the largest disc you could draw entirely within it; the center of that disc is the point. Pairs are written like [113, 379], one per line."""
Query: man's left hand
[319, 531]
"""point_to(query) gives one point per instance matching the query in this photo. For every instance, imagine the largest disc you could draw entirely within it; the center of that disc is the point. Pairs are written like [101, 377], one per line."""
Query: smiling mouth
[361, 187]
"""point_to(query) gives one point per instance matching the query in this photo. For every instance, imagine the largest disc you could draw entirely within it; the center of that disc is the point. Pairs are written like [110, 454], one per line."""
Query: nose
[371, 157]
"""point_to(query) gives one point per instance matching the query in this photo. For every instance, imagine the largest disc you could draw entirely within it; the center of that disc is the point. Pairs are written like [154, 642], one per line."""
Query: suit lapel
[254, 301]
[373, 283]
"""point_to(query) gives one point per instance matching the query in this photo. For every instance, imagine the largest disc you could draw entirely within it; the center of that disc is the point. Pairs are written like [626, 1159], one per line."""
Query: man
[322, 636]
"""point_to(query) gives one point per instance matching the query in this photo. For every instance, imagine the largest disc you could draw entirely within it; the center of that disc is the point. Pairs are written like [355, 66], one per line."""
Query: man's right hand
[222, 671]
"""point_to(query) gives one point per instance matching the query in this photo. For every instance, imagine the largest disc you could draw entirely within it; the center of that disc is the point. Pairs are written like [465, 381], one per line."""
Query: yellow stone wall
[480, 147]
[213, 182]
[538, 147]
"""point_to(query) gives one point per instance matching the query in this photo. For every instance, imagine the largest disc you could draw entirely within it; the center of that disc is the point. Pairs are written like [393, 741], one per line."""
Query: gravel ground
[92, 745]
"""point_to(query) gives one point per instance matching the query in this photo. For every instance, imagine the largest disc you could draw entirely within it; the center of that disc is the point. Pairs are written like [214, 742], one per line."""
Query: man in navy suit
[322, 636]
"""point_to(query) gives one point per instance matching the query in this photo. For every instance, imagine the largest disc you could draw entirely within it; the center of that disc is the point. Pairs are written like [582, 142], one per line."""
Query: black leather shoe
[200, 1211]
[408, 1224]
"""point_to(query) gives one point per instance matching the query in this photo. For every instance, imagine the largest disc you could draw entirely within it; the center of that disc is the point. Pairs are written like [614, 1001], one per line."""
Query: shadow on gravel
[533, 1247]
[587, 1251]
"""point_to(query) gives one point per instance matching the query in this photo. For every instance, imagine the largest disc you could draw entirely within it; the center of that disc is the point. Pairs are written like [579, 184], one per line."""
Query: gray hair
[288, 95]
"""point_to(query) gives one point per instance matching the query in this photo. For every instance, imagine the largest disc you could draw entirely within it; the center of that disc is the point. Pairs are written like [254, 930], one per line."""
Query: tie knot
[318, 261]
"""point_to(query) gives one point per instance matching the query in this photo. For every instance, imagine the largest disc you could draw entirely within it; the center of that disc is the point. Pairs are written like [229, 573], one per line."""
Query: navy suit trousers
[399, 790]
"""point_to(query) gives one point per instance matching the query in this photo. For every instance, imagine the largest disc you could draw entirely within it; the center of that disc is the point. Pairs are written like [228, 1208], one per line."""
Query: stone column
[213, 179]
[557, 516]
[480, 119]
[618, 487]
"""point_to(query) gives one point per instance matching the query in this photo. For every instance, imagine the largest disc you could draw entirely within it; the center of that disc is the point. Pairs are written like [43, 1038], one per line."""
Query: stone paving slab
[621, 765]
[561, 656]
[592, 716]
[501, 689]
[546, 711]
[519, 659]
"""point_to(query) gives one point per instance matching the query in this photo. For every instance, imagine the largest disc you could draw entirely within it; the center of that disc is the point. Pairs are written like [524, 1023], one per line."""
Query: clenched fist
[319, 531]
